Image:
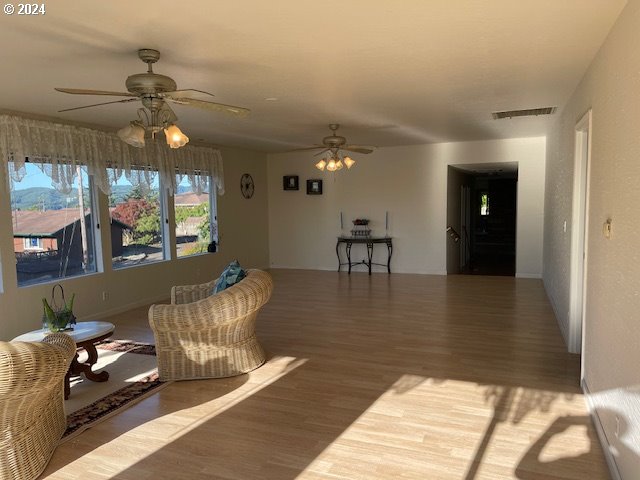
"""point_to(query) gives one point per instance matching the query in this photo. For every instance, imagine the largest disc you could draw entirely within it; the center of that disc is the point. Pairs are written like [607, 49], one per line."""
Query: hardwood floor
[380, 377]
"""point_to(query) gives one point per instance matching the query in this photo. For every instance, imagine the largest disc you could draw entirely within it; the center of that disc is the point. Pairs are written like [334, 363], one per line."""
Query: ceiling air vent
[532, 112]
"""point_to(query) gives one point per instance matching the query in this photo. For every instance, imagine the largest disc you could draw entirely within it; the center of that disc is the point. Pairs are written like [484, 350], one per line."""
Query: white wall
[243, 229]
[410, 183]
[611, 353]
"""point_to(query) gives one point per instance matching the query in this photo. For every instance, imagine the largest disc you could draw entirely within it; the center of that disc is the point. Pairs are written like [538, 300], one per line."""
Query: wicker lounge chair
[210, 336]
[32, 414]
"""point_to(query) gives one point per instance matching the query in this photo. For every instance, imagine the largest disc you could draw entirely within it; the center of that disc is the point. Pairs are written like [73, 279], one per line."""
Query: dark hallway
[487, 218]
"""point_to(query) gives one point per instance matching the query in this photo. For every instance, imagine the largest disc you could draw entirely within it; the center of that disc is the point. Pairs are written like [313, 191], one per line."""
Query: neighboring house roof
[32, 223]
[190, 199]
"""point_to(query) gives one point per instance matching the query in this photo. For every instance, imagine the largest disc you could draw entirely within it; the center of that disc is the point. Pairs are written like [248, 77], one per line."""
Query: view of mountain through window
[52, 232]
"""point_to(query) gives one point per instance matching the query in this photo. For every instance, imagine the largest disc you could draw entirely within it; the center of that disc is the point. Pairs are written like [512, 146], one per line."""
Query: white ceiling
[392, 73]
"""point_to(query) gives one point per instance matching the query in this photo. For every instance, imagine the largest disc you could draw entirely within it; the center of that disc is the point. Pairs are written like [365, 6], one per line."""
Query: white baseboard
[529, 275]
[375, 269]
[123, 308]
[602, 436]
[559, 318]
[292, 267]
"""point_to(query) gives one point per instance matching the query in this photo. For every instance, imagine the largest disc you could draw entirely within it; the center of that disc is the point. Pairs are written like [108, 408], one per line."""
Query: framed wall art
[314, 187]
[290, 182]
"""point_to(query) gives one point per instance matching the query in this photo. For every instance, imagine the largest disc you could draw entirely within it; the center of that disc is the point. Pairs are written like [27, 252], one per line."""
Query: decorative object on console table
[58, 317]
[361, 228]
[290, 182]
[314, 187]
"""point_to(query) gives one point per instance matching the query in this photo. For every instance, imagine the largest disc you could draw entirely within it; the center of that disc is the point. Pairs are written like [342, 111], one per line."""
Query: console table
[369, 242]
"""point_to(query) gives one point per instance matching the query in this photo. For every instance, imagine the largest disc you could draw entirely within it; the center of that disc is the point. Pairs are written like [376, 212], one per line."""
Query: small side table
[86, 336]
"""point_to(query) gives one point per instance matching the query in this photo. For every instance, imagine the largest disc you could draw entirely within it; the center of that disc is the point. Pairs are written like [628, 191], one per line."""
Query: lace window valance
[59, 148]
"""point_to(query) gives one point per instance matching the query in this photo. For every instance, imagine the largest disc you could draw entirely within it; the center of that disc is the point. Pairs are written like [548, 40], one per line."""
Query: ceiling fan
[154, 91]
[332, 145]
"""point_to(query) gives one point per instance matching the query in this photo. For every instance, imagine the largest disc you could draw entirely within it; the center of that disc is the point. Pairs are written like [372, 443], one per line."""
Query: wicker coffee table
[86, 335]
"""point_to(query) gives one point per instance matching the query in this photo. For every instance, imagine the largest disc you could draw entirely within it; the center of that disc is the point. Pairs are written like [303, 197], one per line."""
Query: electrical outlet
[105, 295]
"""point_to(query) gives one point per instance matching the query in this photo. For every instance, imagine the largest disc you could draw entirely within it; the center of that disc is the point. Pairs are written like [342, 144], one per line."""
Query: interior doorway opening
[579, 226]
[482, 210]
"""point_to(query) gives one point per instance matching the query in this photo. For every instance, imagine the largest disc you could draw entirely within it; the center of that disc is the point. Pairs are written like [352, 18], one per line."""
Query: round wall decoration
[246, 186]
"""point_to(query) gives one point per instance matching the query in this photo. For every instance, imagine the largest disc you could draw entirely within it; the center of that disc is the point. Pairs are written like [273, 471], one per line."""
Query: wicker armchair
[32, 415]
[210, 336]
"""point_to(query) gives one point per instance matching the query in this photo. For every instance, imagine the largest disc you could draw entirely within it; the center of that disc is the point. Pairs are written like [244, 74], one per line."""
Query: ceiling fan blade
[306, 148]
[186, 93]
[357, 149]
[98, 104]
[215, 107]
[80, 91]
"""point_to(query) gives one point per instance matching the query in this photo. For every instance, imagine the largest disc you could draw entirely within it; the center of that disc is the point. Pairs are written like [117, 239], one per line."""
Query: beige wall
[243, 230]
[611, 352]
[410, 183]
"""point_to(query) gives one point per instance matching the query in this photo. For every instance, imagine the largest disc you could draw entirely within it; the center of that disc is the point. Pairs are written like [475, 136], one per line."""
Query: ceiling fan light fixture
[175, 137]
[334, 148]
[154, 91]
[133, 134]
[349, 162]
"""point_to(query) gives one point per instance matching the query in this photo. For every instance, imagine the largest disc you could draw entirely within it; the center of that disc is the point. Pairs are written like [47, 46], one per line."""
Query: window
[137, 220]
[53, 233]
[195, 219]
[33, 243]
[484, 204]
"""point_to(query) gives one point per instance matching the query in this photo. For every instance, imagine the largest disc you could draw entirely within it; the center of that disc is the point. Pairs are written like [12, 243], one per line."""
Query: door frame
[579, 229]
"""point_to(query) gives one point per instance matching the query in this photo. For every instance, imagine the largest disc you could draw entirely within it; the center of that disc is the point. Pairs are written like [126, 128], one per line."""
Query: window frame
[28, 243]
[164, 227]
[93, 232]
[213, 219]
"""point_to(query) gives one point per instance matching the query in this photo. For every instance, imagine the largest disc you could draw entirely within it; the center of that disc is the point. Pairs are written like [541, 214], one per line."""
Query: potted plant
[56, 317]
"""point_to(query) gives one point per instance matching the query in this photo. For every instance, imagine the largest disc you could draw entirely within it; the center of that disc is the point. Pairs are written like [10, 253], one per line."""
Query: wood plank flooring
[381, 377]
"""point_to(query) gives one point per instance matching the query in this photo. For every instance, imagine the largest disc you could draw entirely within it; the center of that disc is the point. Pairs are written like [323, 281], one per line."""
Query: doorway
[578, 232]
[485, 216]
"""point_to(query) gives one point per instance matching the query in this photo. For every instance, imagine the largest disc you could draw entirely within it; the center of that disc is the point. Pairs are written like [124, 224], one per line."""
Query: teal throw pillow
[230, 276]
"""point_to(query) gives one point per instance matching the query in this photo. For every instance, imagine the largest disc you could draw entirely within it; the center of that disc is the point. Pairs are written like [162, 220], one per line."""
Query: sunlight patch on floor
[497, 432]
[156, 432]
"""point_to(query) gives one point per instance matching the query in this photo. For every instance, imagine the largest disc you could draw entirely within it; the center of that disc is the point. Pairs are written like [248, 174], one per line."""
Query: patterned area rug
[126, 346]
[116, 401]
